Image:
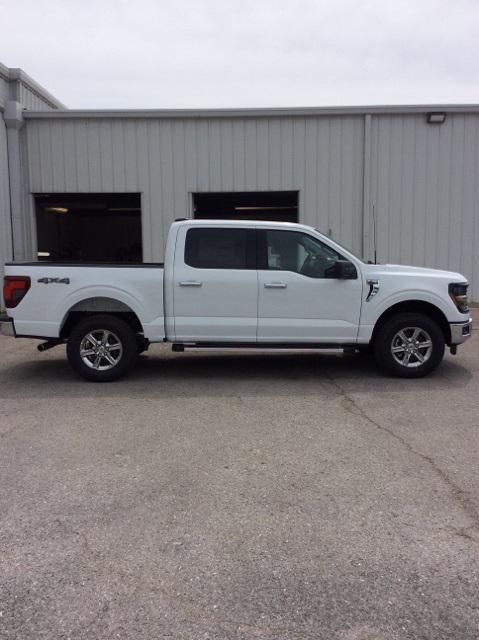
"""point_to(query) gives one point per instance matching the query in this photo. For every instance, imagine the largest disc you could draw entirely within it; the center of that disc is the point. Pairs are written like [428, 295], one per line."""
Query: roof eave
[253, 112]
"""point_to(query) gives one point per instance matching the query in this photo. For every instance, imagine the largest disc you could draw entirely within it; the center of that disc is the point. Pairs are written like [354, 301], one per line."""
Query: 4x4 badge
[58, 280]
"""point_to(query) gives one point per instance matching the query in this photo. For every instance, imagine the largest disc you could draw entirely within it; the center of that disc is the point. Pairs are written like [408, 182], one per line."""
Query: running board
[182, 346]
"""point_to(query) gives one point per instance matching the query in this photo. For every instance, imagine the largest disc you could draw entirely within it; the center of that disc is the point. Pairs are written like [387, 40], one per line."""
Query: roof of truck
[243, 223]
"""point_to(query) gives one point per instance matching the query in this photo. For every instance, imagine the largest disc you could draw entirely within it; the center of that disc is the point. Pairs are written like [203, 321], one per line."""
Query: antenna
[375, 244]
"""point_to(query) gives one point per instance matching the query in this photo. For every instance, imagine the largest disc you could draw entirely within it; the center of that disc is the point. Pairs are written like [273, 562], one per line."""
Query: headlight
[458, 293]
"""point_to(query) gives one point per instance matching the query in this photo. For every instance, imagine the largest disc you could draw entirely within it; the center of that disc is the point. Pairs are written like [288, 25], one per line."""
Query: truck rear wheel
[102, 348]
[409, 345]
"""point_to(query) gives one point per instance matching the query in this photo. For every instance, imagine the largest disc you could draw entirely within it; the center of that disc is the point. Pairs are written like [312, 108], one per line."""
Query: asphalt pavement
[228, 496]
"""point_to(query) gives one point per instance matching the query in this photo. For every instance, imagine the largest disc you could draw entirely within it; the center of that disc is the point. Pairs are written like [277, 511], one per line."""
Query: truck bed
[58, 289]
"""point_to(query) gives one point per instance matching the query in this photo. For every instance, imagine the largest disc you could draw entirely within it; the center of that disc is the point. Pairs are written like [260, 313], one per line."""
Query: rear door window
[220, 248]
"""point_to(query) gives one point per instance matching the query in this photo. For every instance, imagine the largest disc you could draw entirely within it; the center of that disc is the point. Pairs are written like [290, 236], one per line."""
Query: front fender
[374, 309]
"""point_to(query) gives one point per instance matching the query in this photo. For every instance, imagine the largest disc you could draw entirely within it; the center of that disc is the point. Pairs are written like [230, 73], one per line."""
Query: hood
[401, 269]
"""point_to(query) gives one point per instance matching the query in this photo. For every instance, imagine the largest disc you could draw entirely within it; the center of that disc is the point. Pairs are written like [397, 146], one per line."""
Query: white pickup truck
[238, 284]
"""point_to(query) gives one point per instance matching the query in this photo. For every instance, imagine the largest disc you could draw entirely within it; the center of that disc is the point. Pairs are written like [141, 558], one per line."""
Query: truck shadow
[223, 375]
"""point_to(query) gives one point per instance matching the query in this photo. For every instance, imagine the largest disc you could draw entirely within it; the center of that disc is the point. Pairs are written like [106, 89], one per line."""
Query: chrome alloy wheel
[101, 349]
[411, 347]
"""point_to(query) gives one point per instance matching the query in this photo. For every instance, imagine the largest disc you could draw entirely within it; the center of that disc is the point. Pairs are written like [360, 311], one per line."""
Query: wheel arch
[95, 305]
[415, 306]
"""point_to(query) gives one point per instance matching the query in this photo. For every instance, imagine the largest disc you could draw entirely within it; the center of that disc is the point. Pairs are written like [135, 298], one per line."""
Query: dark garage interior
[94, 227]
[279, 206]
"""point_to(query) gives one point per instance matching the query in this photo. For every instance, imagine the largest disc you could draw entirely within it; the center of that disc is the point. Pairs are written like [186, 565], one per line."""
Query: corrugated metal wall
[17, 89]
[32, 100]
[166, 160]
[14, 88]
[421, 179]
[425, 191]
[4, 91]
[5, 226]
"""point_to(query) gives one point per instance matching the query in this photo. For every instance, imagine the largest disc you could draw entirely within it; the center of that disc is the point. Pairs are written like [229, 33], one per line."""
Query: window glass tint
[299, 252]
[89, 227]
[216, 248]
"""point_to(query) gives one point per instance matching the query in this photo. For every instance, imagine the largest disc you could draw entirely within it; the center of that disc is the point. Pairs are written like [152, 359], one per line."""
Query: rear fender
[87, 293]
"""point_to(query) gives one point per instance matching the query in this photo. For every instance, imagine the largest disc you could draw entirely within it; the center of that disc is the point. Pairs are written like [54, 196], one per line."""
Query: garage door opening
[94, 227]
[279, 206]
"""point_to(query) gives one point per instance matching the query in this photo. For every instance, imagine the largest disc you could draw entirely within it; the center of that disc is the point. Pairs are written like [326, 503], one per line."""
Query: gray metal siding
[32, 100]
[5, 226]
[425, 190]
[16, 85]
[166, 160]
[4, 91]
[421, 180]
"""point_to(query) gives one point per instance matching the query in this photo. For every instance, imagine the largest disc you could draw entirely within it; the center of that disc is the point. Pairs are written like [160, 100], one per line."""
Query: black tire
[387, 338]
[142, 344]
[118, 332]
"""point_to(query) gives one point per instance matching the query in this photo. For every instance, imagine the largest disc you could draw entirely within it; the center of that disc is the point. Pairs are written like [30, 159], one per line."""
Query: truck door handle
[275, 285]
[190, 283]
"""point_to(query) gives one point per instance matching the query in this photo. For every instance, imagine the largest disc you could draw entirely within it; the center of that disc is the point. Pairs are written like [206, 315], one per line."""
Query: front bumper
[460, 331]
[6, 326]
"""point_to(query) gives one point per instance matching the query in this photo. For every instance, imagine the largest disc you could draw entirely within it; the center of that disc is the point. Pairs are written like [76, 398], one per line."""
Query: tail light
[14, 290]
[458, 293]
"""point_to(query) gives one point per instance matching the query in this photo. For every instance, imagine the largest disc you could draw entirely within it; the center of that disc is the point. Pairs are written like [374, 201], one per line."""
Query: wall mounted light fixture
[436, 117]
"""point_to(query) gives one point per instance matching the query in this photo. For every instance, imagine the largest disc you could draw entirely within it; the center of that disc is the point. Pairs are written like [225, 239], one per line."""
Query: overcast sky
[227, 53]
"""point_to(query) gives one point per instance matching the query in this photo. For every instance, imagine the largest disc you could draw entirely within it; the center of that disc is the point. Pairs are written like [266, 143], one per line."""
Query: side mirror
[342, 270]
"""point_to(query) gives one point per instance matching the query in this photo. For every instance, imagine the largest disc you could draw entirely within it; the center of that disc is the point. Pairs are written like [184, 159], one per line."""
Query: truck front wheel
[102, 348]
[409, 345]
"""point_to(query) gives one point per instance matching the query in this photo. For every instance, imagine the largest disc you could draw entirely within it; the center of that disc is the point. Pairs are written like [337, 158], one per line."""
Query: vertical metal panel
[106, 154]
[202, 144]
[262, 153]
[214, 155]
[22, 235]
[142, 166]
[131, 131]
[5, 220]
[117, 159]
[310, 154]
[251, 158]
[152, 205]
[424, 186]
[322, 178]
[179, 171]
[4, 91]
[286, 151]
[239, 154]
[94, 153]
[366, 171]
[227, 153]
[58, 159]
[274, 154]
[165, 165]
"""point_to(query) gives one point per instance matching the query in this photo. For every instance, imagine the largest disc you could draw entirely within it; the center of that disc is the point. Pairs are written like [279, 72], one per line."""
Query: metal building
[92, 185]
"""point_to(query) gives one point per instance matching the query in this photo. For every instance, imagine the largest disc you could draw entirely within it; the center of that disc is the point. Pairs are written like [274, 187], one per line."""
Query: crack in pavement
[458, 494]
[197, 614]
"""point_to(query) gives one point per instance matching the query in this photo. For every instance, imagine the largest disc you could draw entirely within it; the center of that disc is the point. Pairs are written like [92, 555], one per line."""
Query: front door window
[300, 253]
